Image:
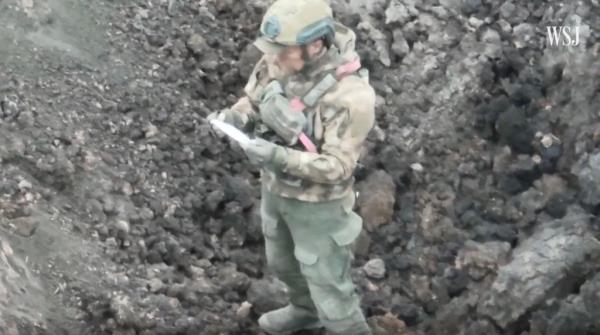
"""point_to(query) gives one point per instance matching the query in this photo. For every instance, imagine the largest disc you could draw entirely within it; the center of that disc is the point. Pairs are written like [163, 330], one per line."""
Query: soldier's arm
[352, 117]
[244, 112]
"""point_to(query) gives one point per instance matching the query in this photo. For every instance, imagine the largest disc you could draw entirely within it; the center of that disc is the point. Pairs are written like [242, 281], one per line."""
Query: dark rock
[532, 277]
[230, 280]
[480, 259]
[515, 130]
[267, 294]
[376, 199]
[471, 6]
[590, 292]
[214, 199]
[589, 180]
[363, 245]
[513, 13]
[492, 231]
[26, 226]
[124, 312]
[400, 46]
[456, 281]
[481, 327]
[238, 189]
[387, 324]
[246, 262]
[524, 35]
[557, 205]
[197, 44]
[394, 164]
[487, 114]
[572, 318]
[400, 262]
[405, 309]
[450, 318]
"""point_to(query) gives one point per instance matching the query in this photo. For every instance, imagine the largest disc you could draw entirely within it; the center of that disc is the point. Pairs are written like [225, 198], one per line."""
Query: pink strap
[297, 104]
[348, 68]
[308, 144]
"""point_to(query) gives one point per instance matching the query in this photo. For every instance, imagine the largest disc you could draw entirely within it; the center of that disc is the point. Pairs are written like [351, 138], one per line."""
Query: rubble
[114, 194]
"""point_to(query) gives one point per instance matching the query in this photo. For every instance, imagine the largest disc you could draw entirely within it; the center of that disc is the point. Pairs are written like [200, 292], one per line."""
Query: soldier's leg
[279, 247]
[324, 234]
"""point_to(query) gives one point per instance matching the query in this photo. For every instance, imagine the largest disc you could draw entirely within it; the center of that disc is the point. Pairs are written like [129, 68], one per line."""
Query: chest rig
[304, 96]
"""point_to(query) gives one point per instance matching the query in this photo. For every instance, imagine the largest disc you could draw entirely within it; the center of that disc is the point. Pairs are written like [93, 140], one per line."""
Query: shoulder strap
[329, 80]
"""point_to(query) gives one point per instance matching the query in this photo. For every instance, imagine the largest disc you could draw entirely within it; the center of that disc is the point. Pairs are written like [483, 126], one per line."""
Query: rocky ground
[120, 214]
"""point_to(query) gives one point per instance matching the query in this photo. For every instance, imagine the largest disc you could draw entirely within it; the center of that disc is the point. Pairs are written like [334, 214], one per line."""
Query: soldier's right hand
[214, 131]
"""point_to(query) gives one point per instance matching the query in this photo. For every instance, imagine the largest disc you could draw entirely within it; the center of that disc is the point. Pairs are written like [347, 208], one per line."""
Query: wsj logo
[563, 35]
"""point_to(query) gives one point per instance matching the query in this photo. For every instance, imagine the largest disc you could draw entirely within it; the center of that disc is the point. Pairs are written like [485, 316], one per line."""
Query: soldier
[311, 109]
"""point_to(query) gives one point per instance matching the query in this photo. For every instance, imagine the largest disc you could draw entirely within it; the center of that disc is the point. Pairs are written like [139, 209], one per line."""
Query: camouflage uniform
[307, 200]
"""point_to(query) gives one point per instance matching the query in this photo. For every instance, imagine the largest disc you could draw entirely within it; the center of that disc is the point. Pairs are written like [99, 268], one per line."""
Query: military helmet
[294, 22]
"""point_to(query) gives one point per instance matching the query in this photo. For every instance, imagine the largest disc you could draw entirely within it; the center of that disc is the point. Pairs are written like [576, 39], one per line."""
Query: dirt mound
[489, 135]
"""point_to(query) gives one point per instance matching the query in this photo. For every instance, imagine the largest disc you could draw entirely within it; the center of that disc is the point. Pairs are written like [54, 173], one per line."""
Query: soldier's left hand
[260, 152]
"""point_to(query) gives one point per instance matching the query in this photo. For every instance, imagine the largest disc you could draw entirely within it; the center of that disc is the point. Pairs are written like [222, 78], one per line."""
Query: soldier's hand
[260, 152]
[277, 113]
[214, 131]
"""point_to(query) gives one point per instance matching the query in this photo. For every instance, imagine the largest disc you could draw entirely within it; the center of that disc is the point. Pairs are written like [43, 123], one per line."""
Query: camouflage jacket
[338, 125]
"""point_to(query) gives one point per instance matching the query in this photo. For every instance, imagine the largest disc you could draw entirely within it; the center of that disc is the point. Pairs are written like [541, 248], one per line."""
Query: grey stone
[236, 188]
[387, 324]
[450, 318]
[505, 27]
[197, 44]
[26, 226]
[22, 296]
[267, 294]
[482, 258]
[123, 310]
[363, 244]
[372, 7]
[155, 285]
[590, 291]
[244, 310]
[400, 46]
[572, 318]
[380, 40]
[26, 119]
[376, 199]
[203, 285]
[396, 13]
[471, 6]
[523, 35]
[375, 268]
[111, 242]
[490, 36]
[513, 13]
[589, 180]
[232, 280]
[122, 226]
[553, 256]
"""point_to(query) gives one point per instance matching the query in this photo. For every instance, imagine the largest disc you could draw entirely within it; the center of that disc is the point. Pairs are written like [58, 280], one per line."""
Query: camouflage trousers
[309, 246]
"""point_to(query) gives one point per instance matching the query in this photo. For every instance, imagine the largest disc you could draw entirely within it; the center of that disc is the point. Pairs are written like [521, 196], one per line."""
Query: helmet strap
[305, 55]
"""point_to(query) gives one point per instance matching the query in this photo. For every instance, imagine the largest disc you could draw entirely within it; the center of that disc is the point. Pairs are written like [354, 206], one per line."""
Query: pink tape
[297, 104]
[308, 144]
[348, 68]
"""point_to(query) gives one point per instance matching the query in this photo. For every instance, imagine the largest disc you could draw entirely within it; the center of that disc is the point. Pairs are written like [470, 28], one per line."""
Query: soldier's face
[291, 60]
